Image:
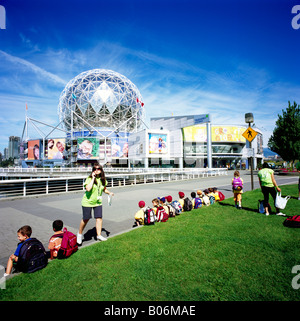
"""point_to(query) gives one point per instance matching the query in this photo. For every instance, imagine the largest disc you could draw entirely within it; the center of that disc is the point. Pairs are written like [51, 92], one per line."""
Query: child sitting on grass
[55, 240]
[181, 199]
[140, 214]
[24, 234]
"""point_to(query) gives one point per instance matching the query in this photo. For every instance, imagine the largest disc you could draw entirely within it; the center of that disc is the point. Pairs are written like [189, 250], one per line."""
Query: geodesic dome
[101, 98]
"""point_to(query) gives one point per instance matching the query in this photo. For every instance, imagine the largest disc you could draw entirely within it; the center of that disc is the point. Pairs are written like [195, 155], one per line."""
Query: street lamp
[250, 119]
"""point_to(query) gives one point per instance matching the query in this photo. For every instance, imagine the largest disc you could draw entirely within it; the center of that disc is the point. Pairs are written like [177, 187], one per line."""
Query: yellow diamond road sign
[250, 134]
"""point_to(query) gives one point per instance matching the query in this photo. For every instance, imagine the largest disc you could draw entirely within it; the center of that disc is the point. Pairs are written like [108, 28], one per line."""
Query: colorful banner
[219, 134]
[56, 148]
[88, 148]
[33, 149]
[119, 147]
[158, 144]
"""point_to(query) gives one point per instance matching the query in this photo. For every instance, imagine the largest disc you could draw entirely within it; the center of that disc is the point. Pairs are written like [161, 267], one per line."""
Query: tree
[285, 140]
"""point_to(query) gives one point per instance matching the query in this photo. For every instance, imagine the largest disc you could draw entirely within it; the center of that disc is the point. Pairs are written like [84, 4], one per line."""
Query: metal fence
[43, 186]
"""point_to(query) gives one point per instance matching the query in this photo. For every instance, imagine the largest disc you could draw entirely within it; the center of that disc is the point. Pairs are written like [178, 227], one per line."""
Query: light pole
[250, 119]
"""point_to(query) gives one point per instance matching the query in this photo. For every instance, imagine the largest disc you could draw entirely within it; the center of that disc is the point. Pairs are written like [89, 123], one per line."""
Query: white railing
[61, 170]
[43, 186]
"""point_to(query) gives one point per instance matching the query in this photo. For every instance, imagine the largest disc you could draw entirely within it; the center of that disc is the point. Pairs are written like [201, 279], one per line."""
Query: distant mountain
[268, 152]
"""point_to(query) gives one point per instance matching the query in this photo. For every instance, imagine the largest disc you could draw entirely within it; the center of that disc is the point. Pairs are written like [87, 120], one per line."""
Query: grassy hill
[212, 253]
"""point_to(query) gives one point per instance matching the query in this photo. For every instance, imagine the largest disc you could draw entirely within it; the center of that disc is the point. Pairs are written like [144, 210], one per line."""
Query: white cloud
[34, 68]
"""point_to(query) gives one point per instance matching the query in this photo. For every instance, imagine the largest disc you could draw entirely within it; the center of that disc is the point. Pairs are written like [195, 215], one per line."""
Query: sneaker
[299, 198]
[79, 238]
[280, 214]
[267, 214]
[101, 238]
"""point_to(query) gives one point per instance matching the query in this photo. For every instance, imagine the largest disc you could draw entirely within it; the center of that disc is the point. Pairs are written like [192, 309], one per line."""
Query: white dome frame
[101, 98]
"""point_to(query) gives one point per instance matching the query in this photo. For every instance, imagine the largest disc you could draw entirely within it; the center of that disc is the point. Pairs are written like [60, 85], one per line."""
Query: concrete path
[40, 212]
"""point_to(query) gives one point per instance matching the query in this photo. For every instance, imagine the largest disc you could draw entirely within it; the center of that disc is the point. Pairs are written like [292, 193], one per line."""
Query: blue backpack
[198, 203]
[177, 207]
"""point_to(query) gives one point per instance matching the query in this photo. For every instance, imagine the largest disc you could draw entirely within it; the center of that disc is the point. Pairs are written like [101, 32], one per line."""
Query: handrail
[88, 169]
[43, 186]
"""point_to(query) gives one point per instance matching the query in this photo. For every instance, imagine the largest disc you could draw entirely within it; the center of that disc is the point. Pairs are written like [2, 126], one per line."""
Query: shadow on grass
[243, 207]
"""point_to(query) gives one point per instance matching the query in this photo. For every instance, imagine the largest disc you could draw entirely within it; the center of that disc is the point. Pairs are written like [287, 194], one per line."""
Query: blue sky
[225, 58]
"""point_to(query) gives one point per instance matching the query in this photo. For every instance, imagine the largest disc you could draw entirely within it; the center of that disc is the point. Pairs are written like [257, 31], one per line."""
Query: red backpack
[221, 196]
[161, 214]
[68, 244]
[292, 221]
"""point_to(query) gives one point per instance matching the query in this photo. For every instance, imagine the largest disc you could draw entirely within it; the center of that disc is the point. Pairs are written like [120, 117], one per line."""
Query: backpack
[261, 208]
[68, 244]
[32, 256]
[149, 216]
[292, 221]
[177, 207]
[237, 184]
[221, 196]
[211, 199]
[198, 203]
[161, 214]
[172, 212]
[188, 205]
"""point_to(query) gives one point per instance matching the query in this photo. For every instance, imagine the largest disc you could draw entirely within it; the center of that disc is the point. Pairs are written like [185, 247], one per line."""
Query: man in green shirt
[268, 186]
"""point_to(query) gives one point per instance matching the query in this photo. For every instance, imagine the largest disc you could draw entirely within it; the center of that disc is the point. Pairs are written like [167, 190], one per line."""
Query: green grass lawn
[213, 253]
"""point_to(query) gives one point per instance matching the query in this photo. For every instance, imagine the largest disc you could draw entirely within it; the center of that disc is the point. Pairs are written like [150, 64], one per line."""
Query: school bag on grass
[32, 256]
[68, 244]
[292, 221]
[172, 212]
[188, 205]
[177, 206]
[198, 203]
[149, 216]
[221, 196]
[161, 214]
[212, 199]
[261, 208]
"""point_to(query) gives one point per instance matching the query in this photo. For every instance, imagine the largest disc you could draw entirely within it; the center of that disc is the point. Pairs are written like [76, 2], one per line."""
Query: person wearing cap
[162, 202]
[181, 199]
[169, 199]
[172, 212]
[139, 215]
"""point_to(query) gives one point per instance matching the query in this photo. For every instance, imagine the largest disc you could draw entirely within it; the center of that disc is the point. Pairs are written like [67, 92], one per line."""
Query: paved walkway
[40, 212]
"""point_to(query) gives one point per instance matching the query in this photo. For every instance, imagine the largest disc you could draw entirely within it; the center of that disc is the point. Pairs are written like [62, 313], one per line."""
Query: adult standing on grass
[268, 186]
[94, 186]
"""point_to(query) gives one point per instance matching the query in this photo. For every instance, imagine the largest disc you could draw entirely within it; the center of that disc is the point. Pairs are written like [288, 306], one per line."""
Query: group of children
[173, 208]
[165, 207]
[24, 235]
[162, 208]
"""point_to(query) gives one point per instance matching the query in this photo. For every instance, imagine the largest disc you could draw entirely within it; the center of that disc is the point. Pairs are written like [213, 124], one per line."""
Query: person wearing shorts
[94, 186]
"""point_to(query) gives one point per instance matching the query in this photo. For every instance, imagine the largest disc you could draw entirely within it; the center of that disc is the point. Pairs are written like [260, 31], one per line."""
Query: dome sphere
[101, 98]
